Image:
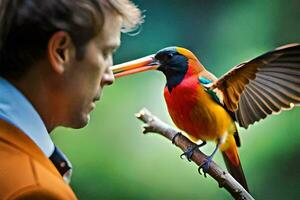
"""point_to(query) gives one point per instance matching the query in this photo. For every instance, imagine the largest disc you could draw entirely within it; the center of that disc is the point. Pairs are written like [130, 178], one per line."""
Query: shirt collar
[17, 110]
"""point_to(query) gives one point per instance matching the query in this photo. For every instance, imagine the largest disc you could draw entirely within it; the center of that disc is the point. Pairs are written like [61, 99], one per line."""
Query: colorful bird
[206, 108]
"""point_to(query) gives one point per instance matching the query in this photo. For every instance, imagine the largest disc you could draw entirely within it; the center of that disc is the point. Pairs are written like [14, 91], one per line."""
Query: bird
[208, 108]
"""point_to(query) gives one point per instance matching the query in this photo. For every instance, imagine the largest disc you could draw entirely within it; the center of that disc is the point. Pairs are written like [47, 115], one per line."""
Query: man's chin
[80, 122]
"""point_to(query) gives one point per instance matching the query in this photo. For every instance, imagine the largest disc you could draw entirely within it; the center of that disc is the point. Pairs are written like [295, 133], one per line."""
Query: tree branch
[224, 179]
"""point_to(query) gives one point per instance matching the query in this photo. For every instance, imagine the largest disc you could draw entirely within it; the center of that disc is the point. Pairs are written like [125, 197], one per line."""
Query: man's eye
[106, 54]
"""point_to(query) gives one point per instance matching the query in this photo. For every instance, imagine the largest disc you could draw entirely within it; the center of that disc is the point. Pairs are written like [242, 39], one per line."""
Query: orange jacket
[25, 172]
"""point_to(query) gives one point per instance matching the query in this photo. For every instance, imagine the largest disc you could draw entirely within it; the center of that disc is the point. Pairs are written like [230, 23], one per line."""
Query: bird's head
[175, 62]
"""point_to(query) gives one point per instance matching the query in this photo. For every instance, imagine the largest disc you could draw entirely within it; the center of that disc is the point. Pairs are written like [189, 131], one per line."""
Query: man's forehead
[111, 33]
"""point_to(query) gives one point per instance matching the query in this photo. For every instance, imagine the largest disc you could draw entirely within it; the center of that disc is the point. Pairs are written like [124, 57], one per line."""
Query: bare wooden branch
[224, 179]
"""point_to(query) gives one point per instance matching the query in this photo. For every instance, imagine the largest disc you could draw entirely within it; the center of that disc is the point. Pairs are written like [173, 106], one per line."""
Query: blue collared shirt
[17, 110]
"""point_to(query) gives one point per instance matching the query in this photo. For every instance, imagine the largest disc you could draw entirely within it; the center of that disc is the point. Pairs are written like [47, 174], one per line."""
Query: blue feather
[204, 80]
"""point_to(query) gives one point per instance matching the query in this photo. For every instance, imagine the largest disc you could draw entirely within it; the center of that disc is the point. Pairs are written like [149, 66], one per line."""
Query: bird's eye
[170, 55]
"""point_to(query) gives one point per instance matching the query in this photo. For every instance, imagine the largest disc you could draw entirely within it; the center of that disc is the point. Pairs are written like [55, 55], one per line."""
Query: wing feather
[253, 111]
[265, 85]
[270, 98]
[264, 110]
[269, 105]
[258, 111]
[243, 112]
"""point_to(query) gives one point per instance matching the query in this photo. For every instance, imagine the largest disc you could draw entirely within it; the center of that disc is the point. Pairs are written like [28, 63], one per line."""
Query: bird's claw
[175, 136]
[204, 167]
[189, 153]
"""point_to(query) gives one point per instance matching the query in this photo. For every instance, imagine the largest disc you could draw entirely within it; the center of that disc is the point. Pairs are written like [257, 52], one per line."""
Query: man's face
[86, 78]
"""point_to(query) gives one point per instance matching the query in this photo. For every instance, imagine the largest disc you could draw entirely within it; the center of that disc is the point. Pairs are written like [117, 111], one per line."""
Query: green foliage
[112, 159]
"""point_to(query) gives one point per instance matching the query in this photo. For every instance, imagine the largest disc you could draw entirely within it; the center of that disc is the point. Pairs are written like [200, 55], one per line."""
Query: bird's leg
[206, 164]
[189, 152]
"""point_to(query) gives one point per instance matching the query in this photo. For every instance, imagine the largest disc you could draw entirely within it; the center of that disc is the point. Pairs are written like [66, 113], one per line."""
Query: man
[55, 58]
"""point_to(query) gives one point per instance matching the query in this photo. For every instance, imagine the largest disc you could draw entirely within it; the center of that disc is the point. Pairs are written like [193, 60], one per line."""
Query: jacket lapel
[15, 137]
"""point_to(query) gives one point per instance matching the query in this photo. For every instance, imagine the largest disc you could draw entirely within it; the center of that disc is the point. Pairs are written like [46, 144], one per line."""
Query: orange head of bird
[175, 62]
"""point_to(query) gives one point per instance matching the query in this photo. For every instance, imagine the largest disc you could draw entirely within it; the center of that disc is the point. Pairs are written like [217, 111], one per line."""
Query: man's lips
[97, 98]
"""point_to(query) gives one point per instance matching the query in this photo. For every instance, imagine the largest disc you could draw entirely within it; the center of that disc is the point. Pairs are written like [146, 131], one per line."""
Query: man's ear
[59, 50]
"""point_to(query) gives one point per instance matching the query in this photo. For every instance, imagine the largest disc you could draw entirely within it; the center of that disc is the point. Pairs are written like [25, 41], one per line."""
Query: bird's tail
[231, 157]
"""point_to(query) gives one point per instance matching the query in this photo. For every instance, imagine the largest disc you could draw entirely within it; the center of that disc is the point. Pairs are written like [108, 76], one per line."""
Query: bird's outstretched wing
[265, 85]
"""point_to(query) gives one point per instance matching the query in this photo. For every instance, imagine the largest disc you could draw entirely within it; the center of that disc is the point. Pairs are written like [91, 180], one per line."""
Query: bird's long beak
[135, 66]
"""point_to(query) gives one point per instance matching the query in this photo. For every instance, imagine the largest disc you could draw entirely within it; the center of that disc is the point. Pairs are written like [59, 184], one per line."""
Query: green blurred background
[111, 157]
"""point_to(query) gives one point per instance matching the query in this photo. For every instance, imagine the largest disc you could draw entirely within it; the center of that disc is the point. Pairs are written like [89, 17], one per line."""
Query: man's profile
[55, 59]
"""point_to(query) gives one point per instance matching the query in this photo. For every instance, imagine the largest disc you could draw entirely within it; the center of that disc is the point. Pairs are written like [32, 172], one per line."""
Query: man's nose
[108, 78]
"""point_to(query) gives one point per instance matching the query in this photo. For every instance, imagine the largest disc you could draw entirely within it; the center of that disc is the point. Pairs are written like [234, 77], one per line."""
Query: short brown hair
[27, 25]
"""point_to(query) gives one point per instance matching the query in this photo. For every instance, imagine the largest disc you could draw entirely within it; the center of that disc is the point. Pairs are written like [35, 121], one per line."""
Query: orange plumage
[196, 112]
